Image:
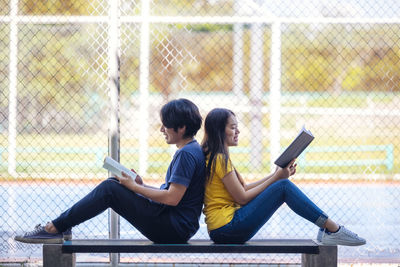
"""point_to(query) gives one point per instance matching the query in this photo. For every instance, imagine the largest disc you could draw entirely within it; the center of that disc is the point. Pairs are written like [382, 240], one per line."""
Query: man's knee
[109, 184]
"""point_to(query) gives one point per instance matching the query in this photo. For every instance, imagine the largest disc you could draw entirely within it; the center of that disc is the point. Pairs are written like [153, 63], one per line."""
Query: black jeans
[152, 219]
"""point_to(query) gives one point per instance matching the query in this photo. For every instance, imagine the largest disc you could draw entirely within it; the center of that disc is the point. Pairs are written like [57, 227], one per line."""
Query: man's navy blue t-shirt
[187, 168]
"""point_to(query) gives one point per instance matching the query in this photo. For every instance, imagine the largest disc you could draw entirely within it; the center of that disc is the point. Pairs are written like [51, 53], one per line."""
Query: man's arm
[172, 196]
[140, 181]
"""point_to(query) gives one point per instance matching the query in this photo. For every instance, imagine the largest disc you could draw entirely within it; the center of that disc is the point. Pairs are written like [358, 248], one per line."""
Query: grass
[83, 153]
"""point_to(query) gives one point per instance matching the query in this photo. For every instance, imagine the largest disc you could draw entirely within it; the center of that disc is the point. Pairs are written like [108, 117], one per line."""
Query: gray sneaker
[343, 237]
[40, 236]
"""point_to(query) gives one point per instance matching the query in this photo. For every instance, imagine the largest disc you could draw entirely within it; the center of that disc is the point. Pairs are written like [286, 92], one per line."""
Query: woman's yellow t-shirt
[219, 206]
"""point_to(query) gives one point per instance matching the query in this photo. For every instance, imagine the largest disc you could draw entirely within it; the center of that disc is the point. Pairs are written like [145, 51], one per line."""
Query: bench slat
[307, 246]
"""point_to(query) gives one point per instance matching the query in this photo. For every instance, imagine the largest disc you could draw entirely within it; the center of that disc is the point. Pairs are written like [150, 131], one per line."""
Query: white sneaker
[320, 233]
[343, 237]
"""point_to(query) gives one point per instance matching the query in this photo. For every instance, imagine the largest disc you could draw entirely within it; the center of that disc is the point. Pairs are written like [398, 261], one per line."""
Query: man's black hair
[181, 112]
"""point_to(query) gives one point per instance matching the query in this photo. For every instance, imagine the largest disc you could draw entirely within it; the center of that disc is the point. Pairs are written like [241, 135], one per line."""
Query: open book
[116, 168]
[303, 139]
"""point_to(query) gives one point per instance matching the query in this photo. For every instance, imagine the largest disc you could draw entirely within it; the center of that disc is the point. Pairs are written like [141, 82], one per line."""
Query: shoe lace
[349, 233]
[36, 230]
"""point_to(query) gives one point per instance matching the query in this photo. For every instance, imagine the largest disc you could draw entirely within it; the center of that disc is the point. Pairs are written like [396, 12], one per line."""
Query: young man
[169, 214]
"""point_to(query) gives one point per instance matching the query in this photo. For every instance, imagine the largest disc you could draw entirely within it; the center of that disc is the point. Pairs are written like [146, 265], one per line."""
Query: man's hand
[127, 181]
[138, 179]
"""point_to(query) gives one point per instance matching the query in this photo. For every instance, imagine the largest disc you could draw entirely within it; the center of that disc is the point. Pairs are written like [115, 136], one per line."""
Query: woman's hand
[284, 173]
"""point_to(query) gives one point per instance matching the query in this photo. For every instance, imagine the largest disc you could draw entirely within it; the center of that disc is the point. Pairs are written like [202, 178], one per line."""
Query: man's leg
[109, 194]
[149, 217]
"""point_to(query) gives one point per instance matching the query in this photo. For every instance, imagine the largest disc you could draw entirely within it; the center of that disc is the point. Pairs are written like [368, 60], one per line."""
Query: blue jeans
[250, 218]
[150, 218]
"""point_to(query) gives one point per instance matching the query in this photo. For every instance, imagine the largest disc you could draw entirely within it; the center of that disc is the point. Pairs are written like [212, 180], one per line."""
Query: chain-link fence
[80, 78]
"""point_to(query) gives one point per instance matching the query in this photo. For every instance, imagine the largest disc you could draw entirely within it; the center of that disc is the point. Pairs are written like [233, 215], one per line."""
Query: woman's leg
[251, 217]
[150, 218]
[331, 226]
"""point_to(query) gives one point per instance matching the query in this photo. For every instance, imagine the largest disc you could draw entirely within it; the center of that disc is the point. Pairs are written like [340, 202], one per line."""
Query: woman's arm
[257, 183]
[243, 194]
[172, 196]
[254, 184]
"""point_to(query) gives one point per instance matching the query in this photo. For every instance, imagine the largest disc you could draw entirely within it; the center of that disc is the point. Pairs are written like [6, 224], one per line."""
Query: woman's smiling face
[231, 132]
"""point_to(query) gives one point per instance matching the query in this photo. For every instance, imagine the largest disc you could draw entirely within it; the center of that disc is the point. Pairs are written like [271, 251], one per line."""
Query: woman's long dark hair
[214, 138]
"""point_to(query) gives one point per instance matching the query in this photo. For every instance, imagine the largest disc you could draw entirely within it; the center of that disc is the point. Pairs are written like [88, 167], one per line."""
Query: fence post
[275, 92]
[114, 87]
[144, 87]
[238, 55]
[256, 93]
[12, 106]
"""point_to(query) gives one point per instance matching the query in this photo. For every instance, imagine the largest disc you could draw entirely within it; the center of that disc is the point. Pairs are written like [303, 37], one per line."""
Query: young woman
[234, 210]
[169, 214]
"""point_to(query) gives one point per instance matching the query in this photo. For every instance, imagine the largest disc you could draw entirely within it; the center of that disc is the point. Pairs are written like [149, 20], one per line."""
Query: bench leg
[327, 257]
[53, 256]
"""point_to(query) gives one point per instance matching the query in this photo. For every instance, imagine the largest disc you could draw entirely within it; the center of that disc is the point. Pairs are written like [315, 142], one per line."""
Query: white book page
[116, 168]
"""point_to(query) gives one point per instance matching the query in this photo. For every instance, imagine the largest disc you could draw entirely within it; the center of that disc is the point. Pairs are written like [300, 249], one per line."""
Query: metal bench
[313, 253]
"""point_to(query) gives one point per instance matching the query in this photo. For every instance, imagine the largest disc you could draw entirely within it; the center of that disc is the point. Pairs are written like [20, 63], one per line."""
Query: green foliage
[205, 27]
[47, 68]
[63, 67]
[340, 57]
[55, 78]
[192, 7]
[309, 72]
[55, 7]
[4, 67]
[331, 58]
[353, 78]
[4, 7]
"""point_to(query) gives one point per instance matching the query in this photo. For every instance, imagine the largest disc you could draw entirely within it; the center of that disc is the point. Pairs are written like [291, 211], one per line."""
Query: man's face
[171, 137]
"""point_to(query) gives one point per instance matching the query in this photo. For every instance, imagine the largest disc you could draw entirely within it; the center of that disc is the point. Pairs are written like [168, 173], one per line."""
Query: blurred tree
[364, 58]
[4, 55]
[57, 7]
[51, 81]
[4, 7]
